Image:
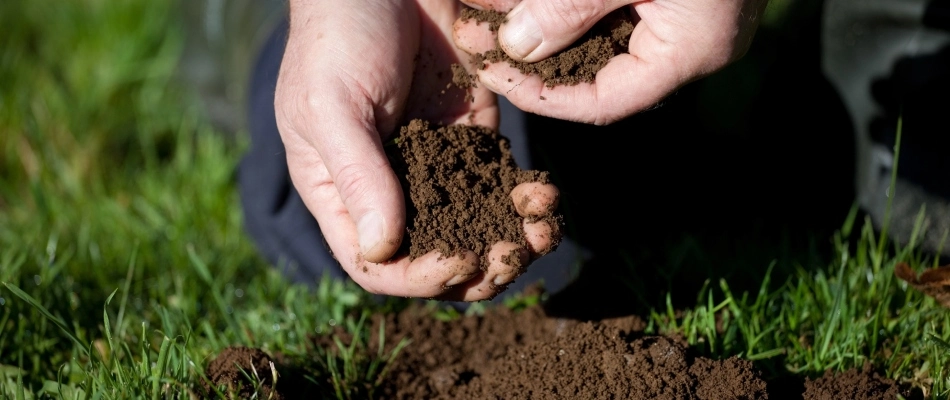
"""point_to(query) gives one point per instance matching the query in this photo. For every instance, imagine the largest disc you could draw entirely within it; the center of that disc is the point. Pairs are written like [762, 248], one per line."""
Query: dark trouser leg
[887, 59]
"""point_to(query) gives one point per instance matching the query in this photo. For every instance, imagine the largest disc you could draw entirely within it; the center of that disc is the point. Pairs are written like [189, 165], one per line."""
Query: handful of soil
[575, 64]
[457, 180]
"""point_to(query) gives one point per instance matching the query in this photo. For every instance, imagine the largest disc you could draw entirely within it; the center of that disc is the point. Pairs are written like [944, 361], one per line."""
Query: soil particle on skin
[232, 367]
[464, 80]
[857, 385]
[577, 63]
[457, 180]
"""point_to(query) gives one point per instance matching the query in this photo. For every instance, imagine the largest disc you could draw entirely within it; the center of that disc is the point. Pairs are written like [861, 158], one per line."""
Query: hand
[352, 71]
[674, 42]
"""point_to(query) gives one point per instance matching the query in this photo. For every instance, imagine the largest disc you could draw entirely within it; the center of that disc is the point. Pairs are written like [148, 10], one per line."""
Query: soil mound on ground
[576, 64]
[864, 384]
[457, 180]
[234, 370]
[508, 355]
[529, 355]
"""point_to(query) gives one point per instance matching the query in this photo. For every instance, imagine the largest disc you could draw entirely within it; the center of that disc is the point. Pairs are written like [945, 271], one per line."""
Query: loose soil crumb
[576, 64]
[857, 385]
[464, 80]
[226, 370]
[457, 180]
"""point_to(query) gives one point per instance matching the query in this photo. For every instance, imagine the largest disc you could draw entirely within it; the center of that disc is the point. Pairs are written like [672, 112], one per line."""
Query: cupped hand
[352, 72]
[673, 42]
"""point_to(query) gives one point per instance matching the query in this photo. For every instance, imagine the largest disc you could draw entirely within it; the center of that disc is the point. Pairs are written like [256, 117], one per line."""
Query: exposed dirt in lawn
[458, 181]
[236, 370]
[854, 384]
[576, 64]
[530, 355]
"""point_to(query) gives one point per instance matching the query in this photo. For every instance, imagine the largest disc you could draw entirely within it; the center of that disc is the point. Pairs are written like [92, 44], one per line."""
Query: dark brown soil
[576, 64]
[234, 370]
[529, 355]
[853, 384]
[507, 355]
[457, 180]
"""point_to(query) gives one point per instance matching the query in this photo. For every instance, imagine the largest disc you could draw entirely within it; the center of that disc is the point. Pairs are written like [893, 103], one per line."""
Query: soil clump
[578, 63]
[231, 369]
[457, 180]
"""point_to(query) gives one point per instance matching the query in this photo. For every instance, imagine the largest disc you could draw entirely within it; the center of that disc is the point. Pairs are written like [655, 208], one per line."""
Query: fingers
[673, 42]
[506, 261]
[366, 184]
[628, 84]
[428, 276]
[535, 199]
[541, 237]
[473, 37]
[329, 106]
[536, 29]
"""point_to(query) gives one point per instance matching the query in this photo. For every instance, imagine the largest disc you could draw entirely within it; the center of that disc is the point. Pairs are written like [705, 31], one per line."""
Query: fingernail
[487, 80]
[370, 229]
[458, 279]
[521, 34]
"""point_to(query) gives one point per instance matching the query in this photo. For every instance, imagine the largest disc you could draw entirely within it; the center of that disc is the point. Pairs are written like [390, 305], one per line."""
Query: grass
[125, 267]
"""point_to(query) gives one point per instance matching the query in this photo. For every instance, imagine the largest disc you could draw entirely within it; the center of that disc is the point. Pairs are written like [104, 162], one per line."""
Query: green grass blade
[882, 240]
[39, 307]
[159, 371]
[20, 390]
[125, 289]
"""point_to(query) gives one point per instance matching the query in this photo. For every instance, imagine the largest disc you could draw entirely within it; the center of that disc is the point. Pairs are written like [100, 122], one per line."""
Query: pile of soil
[576, 64]
[234, 371]
[530, 355]
[853, 384]
[457, 180]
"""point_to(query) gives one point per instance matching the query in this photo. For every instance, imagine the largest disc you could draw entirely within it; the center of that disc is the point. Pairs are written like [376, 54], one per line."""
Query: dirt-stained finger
[542, 237]
[506, 261]
[535, 199]
[427, 276]
[473, 37]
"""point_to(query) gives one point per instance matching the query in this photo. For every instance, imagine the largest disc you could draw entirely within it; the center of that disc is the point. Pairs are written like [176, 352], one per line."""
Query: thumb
[368, 188]
[536, 29]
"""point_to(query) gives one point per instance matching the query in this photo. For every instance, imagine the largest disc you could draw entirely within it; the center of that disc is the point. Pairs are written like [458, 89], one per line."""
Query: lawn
[125, 267]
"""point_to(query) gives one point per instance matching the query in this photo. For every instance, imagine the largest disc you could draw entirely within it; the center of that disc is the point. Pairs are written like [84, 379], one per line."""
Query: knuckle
[293, 108]
[573, 13]
[354, 182]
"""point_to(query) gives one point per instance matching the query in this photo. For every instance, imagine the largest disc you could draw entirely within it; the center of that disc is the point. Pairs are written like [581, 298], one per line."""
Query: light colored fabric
[862, 43]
